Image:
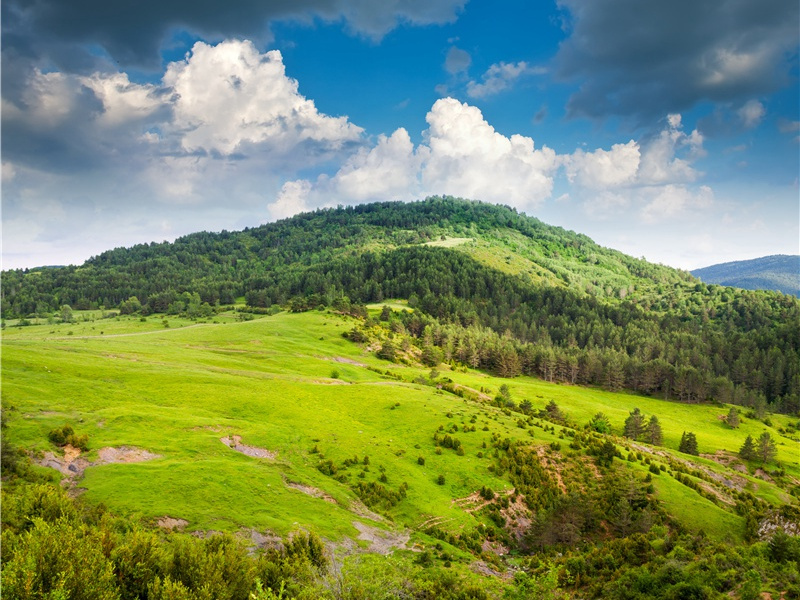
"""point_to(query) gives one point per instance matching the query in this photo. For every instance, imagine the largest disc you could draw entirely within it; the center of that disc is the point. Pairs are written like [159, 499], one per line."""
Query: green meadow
[293, 385]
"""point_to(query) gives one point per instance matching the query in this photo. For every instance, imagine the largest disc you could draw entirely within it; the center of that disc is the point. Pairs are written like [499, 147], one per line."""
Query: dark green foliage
[732, 418]
[600, 423]
[688, 444]
[748, 449]
[387, 351]
[653, 433]
[634, 425]
[61, 436]
[765, 448]
[440, 480]
[376, 495]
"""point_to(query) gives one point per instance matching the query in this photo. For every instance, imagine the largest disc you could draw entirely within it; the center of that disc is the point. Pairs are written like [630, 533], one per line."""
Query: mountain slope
[779, 272]
[545, 301]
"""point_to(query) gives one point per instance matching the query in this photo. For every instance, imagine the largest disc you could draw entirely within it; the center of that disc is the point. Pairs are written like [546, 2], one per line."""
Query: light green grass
[176, 391]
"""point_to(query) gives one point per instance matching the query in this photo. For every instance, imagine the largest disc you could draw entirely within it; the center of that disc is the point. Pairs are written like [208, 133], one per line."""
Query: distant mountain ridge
[778, 272]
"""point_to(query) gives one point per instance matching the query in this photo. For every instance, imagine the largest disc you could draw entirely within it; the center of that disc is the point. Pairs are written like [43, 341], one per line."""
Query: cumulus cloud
[457, 60]
[227, 100]
[461, 154]
[500, 77]
[634, 62]
[230, 94]
[390, 170]
[292, 199]
[665, 158]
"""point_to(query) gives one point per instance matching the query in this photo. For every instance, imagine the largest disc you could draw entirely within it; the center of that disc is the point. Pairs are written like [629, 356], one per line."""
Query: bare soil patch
[72, 464]
[380, 541]
[348, 361]
[170, 523]
[311, 491]
[234, 442]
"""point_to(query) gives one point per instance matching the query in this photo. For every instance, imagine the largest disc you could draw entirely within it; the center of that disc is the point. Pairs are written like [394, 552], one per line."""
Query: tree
[688, 444]
[766, 450]
[653, 433]
[600, 423]
[733, 418]
[634, 424]
[748, 449]
[66, 313]
[387, 351]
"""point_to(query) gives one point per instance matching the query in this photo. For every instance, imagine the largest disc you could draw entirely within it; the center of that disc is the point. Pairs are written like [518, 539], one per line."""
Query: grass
[176, 391]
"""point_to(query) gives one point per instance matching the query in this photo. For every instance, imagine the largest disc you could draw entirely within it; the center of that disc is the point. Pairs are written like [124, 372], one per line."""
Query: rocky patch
[234, 442]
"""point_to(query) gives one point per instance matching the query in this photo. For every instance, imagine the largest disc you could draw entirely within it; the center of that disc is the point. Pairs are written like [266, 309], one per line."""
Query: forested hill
[778, 272]
[492, 288]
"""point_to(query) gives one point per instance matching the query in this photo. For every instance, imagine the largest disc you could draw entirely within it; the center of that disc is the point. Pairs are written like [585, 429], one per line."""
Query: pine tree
[733, 418]
[748, 449]
[688, 444]
[766, 449]
[634, 424]
[653, 433]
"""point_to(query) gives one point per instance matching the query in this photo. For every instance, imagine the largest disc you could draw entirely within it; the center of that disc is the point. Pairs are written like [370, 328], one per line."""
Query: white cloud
[390, 170]
[500, 77]
[123, 101]
[659, 161]
[671, 200]
[469, 158]
[230, 95]
[603, 168]
[457, 60]
[751, 113]
[292, 199]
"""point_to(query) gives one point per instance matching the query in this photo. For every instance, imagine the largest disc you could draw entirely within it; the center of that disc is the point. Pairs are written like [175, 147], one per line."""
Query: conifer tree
[653, 433]
[748, 449]
[733, 418]
[634, 424]
[765, 450]
[688, 444]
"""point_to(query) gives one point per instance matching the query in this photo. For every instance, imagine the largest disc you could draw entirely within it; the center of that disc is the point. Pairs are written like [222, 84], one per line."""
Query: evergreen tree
[634, 424]
[688, 444]
[766, 449]
[748, 449]
[600, 423]
[653, 433]
[733, 418]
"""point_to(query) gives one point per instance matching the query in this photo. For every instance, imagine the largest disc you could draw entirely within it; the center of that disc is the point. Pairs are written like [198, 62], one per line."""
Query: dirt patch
[483, 568]
[552, 468]
[762, 474]
[234, 442]
[518, 517]
[123, 454]
[264, 540]
[380, 541]
[171, 524]
[311, 491]
[348, 361]
[360, 509]
[72, 464]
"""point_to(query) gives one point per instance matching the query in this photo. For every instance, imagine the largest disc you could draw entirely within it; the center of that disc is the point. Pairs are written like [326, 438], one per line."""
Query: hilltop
[779, 272]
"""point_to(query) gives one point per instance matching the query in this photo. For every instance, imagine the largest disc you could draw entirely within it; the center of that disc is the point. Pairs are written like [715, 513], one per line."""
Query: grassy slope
[176, 391]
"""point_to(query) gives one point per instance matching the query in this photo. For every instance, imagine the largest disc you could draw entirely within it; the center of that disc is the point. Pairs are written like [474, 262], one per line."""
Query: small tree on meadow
[748, 449]
[634, 424]
[733, 418]
[600, 423]
[765, 448]
[688, 444]
[653, 432]
[66, 313]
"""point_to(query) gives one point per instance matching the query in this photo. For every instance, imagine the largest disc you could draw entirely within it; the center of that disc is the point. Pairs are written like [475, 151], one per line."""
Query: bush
[440, 480]
[61, 436]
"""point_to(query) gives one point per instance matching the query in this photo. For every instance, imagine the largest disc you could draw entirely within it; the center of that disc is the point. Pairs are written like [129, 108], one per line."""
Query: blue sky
[665, 130]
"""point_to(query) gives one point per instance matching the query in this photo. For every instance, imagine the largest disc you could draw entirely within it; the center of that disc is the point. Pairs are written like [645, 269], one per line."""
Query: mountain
[554, 303]
[779, 272]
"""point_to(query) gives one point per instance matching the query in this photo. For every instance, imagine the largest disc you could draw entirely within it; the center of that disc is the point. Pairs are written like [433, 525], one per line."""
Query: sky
[666, 130]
